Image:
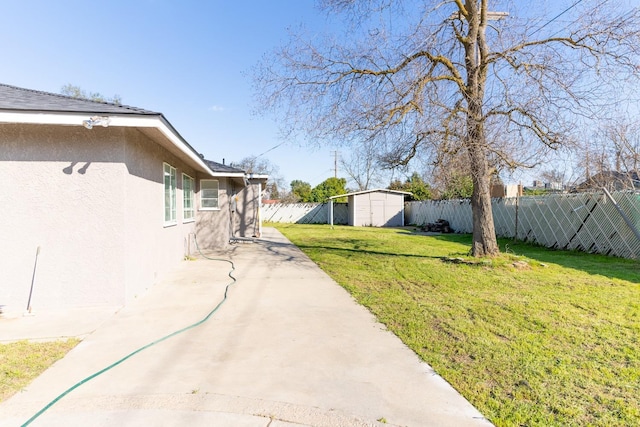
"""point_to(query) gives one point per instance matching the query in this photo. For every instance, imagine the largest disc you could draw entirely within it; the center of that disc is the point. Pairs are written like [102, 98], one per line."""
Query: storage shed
[373, 208]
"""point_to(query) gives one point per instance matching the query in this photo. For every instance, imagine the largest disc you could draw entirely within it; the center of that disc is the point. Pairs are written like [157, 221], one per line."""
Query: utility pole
[335, 163]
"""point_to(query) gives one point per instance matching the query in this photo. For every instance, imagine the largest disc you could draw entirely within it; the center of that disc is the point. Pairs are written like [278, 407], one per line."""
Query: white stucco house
[100, 200]
[373, 208]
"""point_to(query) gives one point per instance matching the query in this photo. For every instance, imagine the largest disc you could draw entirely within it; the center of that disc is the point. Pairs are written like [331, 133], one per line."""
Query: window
[208, 194]
[169, 194]
[187, 198]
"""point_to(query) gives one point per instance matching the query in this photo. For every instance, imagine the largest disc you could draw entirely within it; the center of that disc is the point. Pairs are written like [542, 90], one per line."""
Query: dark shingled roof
[19, 99]
[219, 167]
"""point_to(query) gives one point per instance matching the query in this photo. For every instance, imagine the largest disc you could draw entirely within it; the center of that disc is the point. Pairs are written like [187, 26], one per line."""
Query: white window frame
[205, 201]
[188, 198]
[170, 188]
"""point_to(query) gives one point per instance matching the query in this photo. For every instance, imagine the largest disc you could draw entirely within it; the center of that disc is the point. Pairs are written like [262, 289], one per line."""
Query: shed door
[377, 213]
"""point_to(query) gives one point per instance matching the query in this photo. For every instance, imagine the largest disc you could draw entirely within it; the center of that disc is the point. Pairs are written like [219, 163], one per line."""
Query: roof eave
[227, 174]
[145, 120]
[257, 176]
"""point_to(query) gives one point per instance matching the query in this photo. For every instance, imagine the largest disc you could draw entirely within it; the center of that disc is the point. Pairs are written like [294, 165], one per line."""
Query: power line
[557, 16]
[574, 21]
[271, 149]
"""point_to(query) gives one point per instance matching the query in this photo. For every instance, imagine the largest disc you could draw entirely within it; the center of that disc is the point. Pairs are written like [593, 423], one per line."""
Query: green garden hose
[166, 337]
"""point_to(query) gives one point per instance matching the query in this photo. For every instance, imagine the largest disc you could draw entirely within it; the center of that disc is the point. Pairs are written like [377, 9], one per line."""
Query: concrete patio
[289, 347]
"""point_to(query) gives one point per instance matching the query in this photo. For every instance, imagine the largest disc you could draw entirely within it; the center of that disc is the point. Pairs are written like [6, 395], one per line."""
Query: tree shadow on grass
[596, 264]
[362, 250]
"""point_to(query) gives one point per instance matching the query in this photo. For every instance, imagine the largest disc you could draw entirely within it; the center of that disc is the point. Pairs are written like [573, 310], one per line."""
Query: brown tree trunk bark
[484, 242]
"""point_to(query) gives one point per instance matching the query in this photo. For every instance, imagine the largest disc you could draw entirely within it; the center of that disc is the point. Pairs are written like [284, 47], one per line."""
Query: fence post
[331, 212]
[515, 234]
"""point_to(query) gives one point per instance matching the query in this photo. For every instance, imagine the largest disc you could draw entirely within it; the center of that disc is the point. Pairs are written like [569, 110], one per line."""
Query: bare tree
[419, 75]
[610, 157]
[363, 166]
[255, 164]
[77, 92]
[450, 175]
[552, 176]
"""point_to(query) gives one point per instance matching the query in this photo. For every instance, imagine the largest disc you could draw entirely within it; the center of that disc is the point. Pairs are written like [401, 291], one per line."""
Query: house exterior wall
[150, 247]
[246, 218]
[55, 198]
[212, 227]
[377, 209]
[93, 202]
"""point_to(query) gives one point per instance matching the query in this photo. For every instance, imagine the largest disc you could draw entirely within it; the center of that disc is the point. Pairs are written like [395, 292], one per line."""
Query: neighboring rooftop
[222, 168]
[612, 180]
[19, 99]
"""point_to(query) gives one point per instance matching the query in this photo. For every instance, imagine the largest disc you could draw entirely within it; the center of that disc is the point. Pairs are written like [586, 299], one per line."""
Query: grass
[534, 337]
[21, 362]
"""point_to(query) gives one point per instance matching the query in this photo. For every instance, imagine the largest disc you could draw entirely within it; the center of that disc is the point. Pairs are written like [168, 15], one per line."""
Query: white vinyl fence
[591, 222]
[305, 213]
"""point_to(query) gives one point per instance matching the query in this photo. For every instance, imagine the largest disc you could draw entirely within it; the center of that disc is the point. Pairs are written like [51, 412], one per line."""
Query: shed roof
[377, 190]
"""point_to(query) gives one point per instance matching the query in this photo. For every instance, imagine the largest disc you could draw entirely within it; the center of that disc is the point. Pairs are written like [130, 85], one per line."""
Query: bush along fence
[592, 222]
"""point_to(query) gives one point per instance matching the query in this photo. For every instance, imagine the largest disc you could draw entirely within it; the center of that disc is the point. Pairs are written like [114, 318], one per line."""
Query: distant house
[373, 208]
[612, 181]
[106, 198]
[502, 190]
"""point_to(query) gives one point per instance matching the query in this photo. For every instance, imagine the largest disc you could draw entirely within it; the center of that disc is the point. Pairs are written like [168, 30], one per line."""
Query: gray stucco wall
[92, 200]
[245, 218]
[150, 247]
[212, 226]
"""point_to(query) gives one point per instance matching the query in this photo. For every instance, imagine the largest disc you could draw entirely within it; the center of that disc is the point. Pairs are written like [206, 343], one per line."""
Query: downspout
[259, 210]
[232, 233]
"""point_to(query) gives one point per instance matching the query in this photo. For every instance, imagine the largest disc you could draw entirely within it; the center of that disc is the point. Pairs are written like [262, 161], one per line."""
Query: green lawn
[535, 337]
[21, 362]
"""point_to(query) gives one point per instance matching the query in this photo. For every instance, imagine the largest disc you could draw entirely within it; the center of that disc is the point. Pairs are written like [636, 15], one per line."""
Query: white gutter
[42, 118]
[229, 174]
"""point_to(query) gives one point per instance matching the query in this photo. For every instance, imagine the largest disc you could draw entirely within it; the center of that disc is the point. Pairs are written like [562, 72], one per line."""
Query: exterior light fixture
[96, 121]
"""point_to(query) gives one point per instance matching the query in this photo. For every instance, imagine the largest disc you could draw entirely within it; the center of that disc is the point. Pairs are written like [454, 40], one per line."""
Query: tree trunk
[484, 234]
[484, 242]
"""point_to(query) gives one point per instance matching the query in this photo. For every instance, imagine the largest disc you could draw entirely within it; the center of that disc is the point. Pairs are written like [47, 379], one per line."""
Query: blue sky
[190, 60]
